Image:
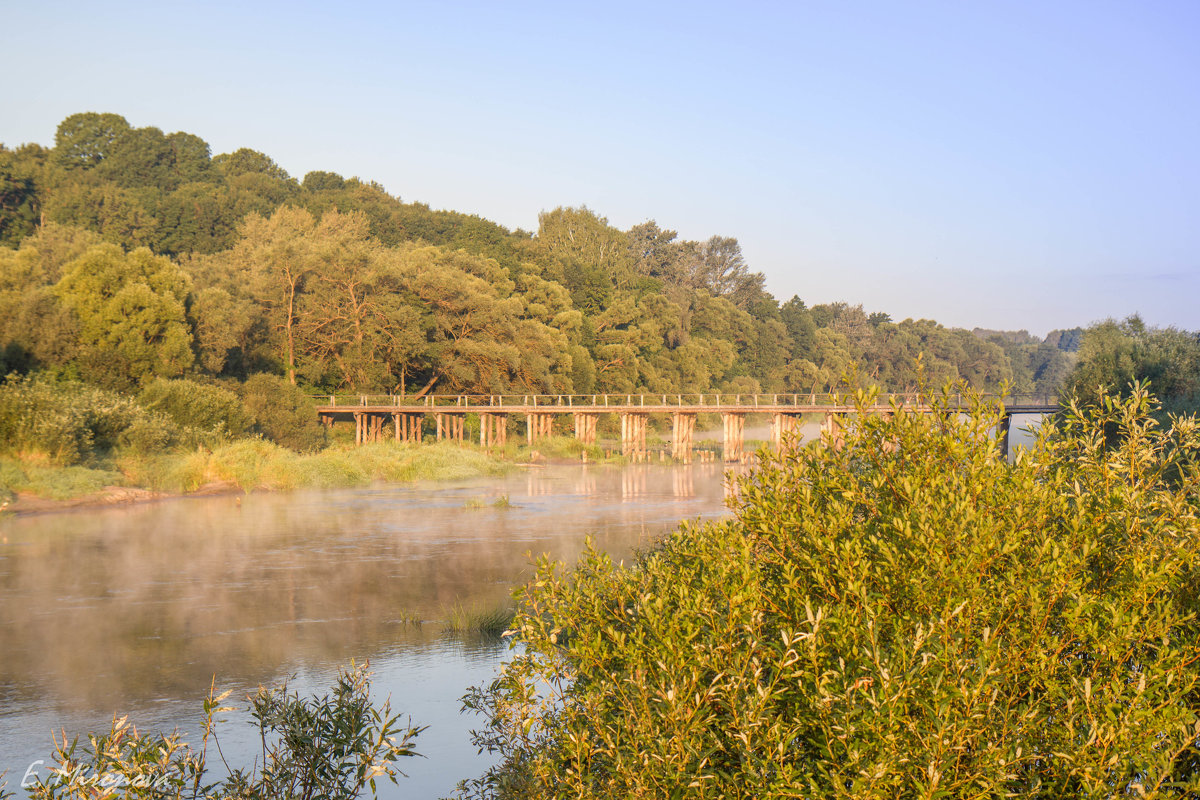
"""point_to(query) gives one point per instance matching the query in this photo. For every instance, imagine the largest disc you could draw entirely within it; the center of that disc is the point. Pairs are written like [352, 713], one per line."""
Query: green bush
[216, 412]
[335, 746]
[69, 423]
[285, 414]
[906, 615]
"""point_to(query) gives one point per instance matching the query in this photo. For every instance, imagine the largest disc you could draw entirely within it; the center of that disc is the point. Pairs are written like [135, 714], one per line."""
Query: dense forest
[129, 254]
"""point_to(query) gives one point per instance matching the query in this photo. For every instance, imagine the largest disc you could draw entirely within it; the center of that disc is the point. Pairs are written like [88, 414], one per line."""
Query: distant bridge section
[405, 417]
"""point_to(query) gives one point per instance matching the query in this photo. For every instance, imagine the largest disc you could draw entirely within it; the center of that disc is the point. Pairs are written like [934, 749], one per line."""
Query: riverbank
[244, 466]
[30, 486]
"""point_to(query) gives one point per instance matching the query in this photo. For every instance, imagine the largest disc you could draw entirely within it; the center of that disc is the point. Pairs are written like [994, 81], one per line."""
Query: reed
[491, 621]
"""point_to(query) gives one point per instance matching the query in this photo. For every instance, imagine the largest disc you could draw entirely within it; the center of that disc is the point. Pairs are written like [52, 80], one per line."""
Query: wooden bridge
[376, 417]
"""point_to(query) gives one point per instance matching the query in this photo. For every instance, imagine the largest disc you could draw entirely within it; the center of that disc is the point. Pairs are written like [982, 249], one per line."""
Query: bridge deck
[635, 404]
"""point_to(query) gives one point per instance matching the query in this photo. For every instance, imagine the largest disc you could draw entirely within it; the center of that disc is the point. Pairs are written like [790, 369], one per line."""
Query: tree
[718, 266]
[132, 313]
[482, 337]
[276, 256]
[283, 412]
[1115, 354]
[802, 330]
[192, 157]
[245, 161]
[20, 198]
[321, 181]
[141, 158]
[82, 141]
[355, 324]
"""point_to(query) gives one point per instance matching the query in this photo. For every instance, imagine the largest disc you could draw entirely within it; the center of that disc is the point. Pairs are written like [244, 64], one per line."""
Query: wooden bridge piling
[735, 436]
[1002, 433]
[782, 426]
[538, 425]
[585, 427]
[831, 428]
[493, 430]
[633, 435]
[683, 429]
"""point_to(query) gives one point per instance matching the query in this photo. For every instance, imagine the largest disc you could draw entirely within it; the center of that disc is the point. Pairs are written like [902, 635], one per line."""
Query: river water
[137, 610]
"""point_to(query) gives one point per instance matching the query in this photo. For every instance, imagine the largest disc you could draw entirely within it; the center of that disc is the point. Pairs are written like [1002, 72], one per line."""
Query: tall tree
[132, 313]
[84, 140]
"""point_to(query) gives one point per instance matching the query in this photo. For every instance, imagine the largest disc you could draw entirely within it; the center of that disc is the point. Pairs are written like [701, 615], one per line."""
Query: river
[137, 610]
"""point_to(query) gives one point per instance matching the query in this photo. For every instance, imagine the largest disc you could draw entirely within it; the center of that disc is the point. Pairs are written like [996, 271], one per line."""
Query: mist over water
[136, 610]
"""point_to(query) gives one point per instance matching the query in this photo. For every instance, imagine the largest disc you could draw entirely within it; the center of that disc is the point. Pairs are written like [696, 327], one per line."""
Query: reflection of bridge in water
[377, 417]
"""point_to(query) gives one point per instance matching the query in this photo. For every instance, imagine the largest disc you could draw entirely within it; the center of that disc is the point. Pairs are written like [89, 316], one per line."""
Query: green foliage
[335, 746]
[83, 141]
[903, 614]
[283, 413]
[211, 410]
[339, 285]
[71, 423]
[20, 202]
[56, 483]
[1114, 354]
[132, 313]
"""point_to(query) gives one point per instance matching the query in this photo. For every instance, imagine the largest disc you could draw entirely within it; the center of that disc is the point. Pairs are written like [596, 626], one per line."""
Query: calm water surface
[136, 610]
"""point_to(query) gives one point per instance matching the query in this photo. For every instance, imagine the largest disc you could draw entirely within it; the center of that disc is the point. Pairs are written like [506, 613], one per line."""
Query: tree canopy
[336, 284]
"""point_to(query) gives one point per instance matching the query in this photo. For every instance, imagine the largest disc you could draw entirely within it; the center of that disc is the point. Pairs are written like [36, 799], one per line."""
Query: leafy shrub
[903, 615]
[68, 422]
[212, 410]
[331, 747]
[285, 414]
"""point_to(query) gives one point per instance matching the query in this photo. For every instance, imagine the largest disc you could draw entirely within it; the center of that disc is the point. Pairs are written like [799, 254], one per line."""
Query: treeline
[131, 254]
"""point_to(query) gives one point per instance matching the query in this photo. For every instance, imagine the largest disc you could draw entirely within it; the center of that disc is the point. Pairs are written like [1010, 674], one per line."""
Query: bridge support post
[683, 428]
[585, 427]
[538, 426]
[832, 428]
[633, 436]
[1002, 434]
[451, 426]
[408, 427]
[781, 426]
[735, 435]
[493, 430]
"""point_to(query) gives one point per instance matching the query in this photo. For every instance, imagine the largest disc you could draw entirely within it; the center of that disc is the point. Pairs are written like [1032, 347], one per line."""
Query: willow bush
[906, 615]
[67, 422]
[338, 746]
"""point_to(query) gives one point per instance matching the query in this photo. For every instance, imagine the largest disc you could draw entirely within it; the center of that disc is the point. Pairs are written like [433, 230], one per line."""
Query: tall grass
[56, 483]
[478, 620]
[256, 464]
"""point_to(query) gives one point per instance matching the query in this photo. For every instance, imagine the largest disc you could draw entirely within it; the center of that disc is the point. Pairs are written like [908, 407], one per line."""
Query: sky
[997, 164]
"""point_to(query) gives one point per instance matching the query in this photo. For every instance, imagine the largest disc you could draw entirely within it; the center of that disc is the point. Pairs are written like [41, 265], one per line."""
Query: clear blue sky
[1003, 164]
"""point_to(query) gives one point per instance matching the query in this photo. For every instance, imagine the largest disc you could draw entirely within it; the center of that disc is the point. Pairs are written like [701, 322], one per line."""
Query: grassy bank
[249, 465]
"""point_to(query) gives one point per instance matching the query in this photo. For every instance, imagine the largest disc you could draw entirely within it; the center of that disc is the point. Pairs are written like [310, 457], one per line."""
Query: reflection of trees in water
[154, 600]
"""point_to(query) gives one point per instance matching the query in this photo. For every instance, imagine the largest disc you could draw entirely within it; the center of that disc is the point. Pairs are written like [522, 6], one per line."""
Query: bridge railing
[713, 400]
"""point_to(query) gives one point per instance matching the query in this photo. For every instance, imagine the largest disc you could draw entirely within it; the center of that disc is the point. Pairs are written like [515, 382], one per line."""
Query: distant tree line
[129, 254]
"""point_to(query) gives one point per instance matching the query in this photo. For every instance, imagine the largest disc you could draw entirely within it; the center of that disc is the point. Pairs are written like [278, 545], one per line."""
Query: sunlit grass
[254, 464]
[478, 620]
[56, 483]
